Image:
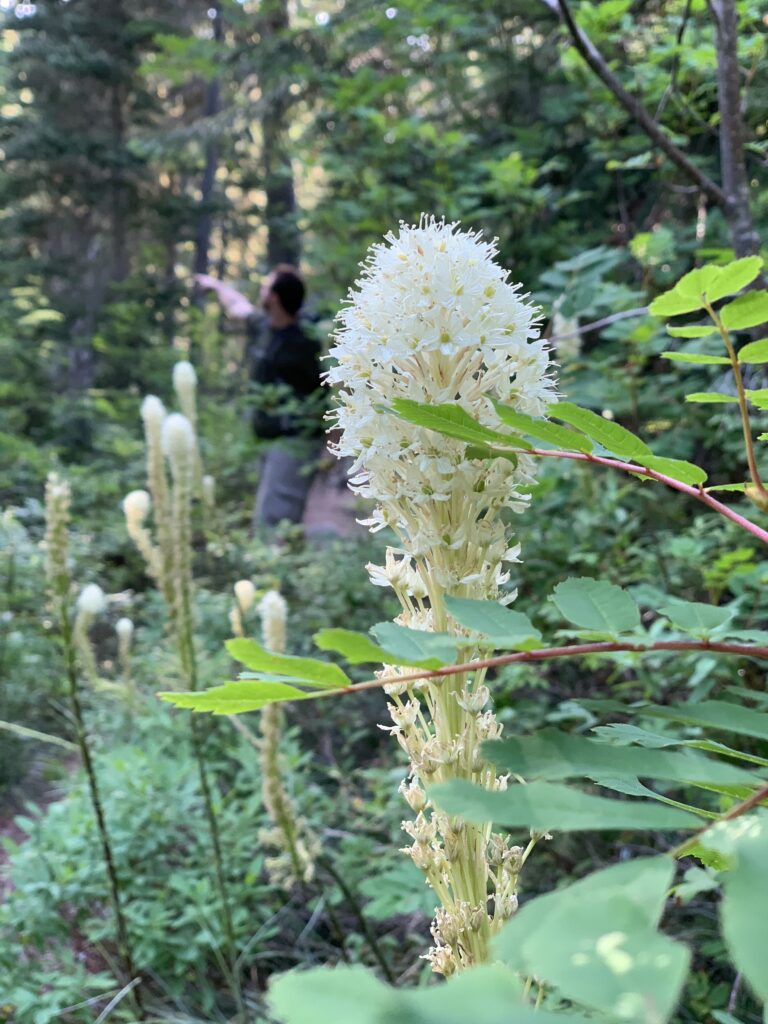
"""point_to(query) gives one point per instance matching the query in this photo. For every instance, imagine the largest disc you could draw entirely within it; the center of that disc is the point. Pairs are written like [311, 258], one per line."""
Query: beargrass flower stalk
[153, 415]
[185, 386]
[435, 319]
[245, 595]
[124, 629]
[91, 601]
[298, 847]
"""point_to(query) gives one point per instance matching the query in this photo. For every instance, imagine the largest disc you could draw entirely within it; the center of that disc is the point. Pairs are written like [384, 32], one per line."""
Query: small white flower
[152, 412]
[124, 629]
[136, 505]
[178, 436]
[91, 600]
[245, 592]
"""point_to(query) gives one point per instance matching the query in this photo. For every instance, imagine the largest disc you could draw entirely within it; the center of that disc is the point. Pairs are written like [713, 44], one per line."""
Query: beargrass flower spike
[434, 318]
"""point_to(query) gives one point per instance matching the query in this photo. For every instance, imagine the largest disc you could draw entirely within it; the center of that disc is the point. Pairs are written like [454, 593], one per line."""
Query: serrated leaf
[612, 436]
[740, 488]
[695, 617]
[358, 649]
[698, 282]
[548, 805]
[234, 698]
[433, 650]
[747, 311]
[691, 331]
[449, 419]
[718, 715]
[733, 277]
[711, 397]
[596, 942]
[675, 303]
[551, 756]
[698, 358]
[506, 629]
[596, 605]
[543, 430]
[311, 671]
[758, 397]
[754, 352]
[685, 472]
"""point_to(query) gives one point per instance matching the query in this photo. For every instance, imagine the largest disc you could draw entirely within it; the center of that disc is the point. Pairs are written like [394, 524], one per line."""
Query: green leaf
[745, 894]
[235, 698]
[552, 755]
[747, 311]
[733, 277]
[691, 331]
[758, 398]
[694, 617]
[548, 805]
[754, 352]
[354, 995]
[358, 648]
[452, 420]
[433, 650]
[674, 303]
[698, 282]
[685, 472]
[596, 604]
[696, 357]
[613, 437]
[308, 670]
[506, 629]
[718, 715]
[542, 430]
[596, 942]
[712, 397]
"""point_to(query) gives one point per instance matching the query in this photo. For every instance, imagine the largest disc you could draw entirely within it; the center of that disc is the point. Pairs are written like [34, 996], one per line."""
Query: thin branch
[549, 654]
[655, 132]
[628, 467]
[672, 87]
[603, 322]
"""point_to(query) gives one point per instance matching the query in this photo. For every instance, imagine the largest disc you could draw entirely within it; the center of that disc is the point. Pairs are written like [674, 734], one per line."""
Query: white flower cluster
[434, 319]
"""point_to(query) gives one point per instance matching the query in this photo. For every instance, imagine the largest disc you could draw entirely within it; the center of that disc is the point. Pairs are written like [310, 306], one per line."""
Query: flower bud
[209, 490]
[91, 600]
[124, 629]
[273, 611]
[245, 592]
[152, 412]
[178, 437]
[136, 505]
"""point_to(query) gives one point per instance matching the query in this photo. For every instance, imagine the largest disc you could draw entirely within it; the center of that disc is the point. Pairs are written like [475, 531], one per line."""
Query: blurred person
[288, 357]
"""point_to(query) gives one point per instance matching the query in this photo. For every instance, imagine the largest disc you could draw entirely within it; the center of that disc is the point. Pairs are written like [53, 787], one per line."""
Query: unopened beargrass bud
[124, 629]
[57, 501]
[153, 415]
[91, 602]
[298, 847]
[435, 319]
[185, 386]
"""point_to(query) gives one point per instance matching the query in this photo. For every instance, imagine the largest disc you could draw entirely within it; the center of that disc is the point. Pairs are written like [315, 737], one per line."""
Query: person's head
[282, 293]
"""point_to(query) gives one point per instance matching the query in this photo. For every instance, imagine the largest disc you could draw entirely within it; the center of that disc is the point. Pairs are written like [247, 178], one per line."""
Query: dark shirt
[292, 359]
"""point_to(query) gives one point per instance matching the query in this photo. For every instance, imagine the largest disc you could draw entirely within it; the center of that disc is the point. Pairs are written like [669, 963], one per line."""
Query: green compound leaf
[551, 755]
[691, 331]
[506, 629]
[596, 942]
[354, 995]
[235, 698]
[675, 303]
[596, 605]
[433, 650]
[695, 617]
[733, 277]
[542, 430]
[758, 398]
[358, 648]
[548, 805]
[718, 715]
[699, 358]
[711, 397]
[745, 894]
[453, 421]
[612, 436]
[678, 469]
[747, 311]
[754, 352]
[309, 671]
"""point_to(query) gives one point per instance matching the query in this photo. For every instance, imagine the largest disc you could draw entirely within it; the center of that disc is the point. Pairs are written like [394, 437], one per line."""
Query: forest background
[144, 142]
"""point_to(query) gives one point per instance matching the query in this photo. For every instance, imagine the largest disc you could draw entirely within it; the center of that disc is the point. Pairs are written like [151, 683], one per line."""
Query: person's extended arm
[234, 302]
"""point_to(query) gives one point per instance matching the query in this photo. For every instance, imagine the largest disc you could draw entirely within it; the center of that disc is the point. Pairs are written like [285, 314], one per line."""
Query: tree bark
[733, 170]
[211, 107]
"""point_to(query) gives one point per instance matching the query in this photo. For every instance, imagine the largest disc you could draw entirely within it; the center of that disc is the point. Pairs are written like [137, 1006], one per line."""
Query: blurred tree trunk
[283, 240]
[733, 170]
[211, 107]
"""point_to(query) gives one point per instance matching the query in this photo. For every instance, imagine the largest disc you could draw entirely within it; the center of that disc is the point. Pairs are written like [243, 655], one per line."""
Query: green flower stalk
[434, 319]
[298, 848]
[185, 386]
[57, 506]
[124, 629]
[160, 566]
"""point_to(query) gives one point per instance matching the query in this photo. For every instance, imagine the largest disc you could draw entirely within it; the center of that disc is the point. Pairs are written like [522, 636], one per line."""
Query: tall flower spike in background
[90, 603]
[298, 847]
[433, 318]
